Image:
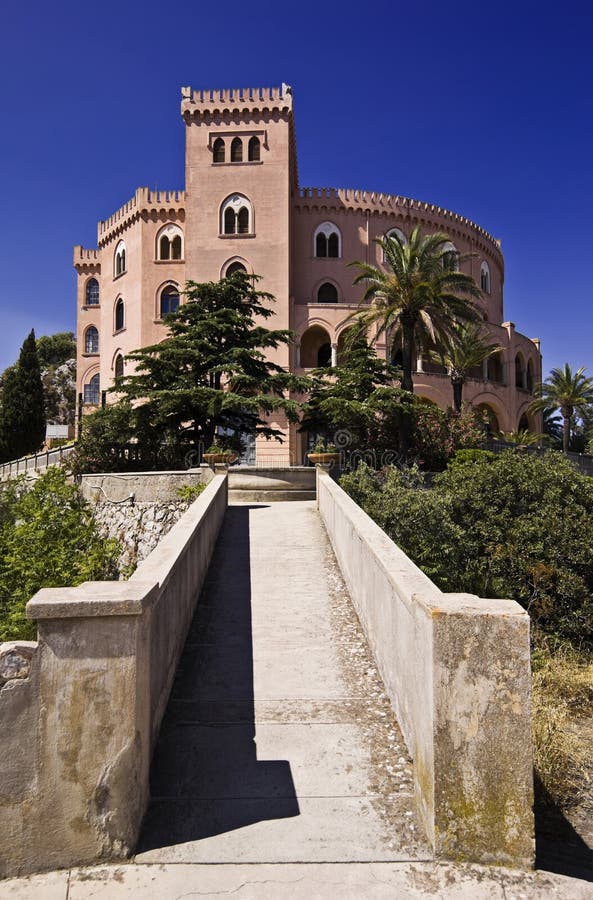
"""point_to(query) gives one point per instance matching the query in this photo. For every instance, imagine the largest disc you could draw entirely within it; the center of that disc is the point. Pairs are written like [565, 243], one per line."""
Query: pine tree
[22, 412]
[211, 374]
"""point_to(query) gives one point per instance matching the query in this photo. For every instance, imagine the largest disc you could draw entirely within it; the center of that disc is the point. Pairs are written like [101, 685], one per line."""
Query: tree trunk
[565, 431]
[457, 393]
[407, 354]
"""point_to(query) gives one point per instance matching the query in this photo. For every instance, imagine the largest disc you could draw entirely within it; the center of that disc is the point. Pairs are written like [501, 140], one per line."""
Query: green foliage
[22, 409]
[417, 297]
[56, 349]
[569, 392]
[48, 538]
[211, 372]
[437, 434]
[190, 492]
[516, 525]
[57, 358]
[357, 398]
[102, 433]
[465, 348]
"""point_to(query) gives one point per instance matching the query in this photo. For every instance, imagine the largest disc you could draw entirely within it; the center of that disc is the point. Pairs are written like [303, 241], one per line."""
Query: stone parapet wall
[143, 487]
[81, 707]
[457, 671]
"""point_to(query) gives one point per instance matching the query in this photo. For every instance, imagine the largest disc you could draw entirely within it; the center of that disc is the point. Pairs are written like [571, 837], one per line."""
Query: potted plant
[217, 455]
[323, 453]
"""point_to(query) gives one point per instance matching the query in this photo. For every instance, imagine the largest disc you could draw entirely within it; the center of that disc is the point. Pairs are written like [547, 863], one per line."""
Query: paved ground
[279, 744]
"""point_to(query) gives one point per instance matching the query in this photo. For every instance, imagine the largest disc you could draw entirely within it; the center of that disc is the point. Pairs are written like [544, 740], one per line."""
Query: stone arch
[315, 347]
[492, 423]
[323, 288]
[232, 264]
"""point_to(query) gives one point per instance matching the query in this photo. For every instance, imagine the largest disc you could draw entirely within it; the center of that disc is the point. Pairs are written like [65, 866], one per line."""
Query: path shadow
[205, 775]
[559, 848]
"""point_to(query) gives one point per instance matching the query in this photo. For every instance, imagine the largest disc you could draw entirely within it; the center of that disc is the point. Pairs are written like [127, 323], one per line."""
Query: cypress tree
[22, 410]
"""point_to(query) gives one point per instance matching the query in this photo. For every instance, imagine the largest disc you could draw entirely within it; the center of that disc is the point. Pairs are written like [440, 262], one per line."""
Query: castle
[242, 207]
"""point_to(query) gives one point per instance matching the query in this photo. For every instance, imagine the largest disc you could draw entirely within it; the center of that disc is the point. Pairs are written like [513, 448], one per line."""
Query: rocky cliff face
[138, 527]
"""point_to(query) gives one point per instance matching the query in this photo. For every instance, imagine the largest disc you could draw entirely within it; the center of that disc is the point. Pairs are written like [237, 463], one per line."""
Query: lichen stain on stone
[87, 702]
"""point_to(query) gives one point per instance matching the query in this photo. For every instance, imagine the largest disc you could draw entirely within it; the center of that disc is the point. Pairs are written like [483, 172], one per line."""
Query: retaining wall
[81, 707]
[457, 671]
[146, 487]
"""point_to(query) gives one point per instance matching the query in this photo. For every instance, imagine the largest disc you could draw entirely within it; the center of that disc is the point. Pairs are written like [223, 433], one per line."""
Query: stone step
[268, 495]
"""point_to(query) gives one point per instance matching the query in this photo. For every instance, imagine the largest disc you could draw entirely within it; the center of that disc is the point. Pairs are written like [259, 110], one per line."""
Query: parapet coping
[356, 199]
[411, 585]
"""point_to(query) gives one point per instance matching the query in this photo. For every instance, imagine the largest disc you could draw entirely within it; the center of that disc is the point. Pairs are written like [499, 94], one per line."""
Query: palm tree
[568, 392]
[466, 348]
[419, 299]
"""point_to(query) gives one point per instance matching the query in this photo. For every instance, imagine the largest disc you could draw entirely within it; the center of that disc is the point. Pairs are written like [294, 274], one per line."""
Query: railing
[34, 463]
[582, 461]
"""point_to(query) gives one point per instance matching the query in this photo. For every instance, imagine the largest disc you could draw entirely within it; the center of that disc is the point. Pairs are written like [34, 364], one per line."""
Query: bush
[48, 538]
[515, 525]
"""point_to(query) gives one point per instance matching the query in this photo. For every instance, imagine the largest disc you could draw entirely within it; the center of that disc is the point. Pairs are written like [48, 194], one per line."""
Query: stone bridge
[276, 683]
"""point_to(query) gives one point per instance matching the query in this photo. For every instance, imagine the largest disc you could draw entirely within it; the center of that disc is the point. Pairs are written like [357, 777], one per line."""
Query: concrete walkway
[279, 744]
[280, 771]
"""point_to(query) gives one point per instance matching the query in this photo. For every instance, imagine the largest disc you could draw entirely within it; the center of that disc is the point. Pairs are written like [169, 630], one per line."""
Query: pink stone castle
[243, 207]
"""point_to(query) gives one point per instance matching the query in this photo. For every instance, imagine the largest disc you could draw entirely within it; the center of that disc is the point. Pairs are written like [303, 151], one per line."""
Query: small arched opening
[327, 293]
[315, 348]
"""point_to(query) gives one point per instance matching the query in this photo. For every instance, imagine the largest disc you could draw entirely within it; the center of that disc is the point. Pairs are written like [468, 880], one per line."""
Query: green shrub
[516, 525]
[48, 538]
[190, 492]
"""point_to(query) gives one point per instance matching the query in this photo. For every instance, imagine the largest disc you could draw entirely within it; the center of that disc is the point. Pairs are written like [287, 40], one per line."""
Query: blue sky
[485, 109]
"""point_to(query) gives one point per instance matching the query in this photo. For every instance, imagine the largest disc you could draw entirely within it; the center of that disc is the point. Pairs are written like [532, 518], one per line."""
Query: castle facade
[243, 207]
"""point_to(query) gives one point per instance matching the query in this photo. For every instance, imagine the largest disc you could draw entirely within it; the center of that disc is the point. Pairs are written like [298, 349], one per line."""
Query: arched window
[237, 150]
[254, 149]
[519, 371]
[529, 374]
[327, 293]
[218, 151]
[91, 340]
[394, 232]
[169, 242]
[119, 315]
[524, 423]
[92, 292]
[119, 366]
[92, 390]
[327, 241]
[234, 267]
[120, 259]
[236, 215]
[450, 258]
[164, 247]
[485, 277]
[169, 299]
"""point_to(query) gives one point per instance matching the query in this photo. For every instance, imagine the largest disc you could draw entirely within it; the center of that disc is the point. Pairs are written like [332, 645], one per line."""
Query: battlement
[259, 99]
[85, 258]
[350, 198]
[144, 200]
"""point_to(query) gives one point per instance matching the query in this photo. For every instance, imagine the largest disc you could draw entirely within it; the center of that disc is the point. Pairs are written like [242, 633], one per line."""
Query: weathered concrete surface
[279, 744]
[138, 527]
[259, 484]
[147, 487]
[353, 881]
[85, 716]
[457, 670]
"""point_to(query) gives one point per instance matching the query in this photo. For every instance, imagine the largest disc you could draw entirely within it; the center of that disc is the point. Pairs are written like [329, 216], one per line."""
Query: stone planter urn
[220, 459]
[323, 458]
